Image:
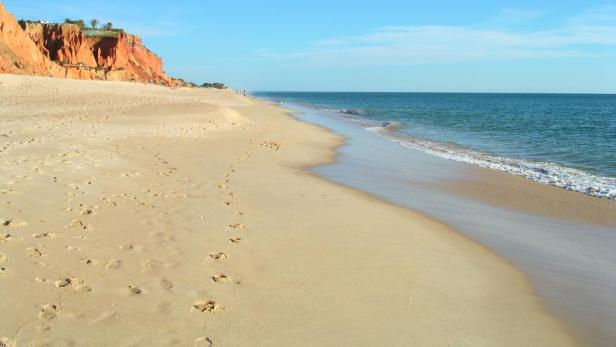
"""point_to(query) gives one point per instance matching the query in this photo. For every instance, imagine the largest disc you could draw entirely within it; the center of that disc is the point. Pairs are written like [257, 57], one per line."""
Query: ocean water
[564, 140]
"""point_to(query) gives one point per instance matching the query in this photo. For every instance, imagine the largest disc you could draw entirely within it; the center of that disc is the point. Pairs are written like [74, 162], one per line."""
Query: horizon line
[427, 92]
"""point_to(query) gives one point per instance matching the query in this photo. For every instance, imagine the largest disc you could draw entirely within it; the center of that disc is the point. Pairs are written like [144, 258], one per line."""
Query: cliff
[64, 50]
[18, 53]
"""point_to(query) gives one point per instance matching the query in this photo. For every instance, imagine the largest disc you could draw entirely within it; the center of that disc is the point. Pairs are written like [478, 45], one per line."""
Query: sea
[400, 146]
[566, 140]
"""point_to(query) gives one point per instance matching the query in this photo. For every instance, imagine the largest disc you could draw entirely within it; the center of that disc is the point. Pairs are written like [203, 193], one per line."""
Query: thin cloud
[407, 45]
[605, 15]
[156, 29]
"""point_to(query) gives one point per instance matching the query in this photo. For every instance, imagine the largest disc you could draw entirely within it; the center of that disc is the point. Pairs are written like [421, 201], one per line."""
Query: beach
[145, 215]
[562, 240]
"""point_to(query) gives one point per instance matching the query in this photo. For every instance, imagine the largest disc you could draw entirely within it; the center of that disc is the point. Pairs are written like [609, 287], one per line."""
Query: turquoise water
[564, 140]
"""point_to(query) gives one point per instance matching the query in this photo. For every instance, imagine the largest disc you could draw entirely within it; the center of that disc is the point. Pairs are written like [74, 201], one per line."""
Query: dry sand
[141, 215]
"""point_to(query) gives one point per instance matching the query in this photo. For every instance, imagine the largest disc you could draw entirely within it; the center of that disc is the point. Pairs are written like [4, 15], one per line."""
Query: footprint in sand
[3, 258]
[272, 145]
[228, 203]
[89, 261]
[2, 270]
[88, 211]
[235, 240]
[152, 265]
[6, 342]
[34, 252]
[127, 247]
[220, 278]
[72, 282]
[79, 224]
[114, 264]
[48, 311]
[207, 306]
[237, 226]
[42, 328]
[109, 202]
[218, 255]
[44, 235]
[166, 284]
[204, 341]
[134, 290]
[162, 237]
[12, 223]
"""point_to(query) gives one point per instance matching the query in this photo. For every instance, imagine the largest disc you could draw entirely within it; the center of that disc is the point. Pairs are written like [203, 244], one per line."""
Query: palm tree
[94, 22]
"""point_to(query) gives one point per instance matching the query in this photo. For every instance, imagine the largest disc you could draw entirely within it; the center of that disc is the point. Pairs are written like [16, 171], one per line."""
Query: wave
[391, 125]
[544, 172]
[353, 111]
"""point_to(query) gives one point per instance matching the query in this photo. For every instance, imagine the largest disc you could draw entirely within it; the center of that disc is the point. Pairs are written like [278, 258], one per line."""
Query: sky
[385, 45]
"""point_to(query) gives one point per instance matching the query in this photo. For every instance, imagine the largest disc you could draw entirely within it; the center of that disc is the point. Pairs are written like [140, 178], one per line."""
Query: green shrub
[79, 22]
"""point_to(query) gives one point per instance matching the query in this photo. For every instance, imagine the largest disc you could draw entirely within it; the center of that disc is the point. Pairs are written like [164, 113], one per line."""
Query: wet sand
[142, 215]
[515, 192]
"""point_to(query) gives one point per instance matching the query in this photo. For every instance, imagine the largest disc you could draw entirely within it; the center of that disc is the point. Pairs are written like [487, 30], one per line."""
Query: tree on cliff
[94, 22]
[108, 26]
[77, 22]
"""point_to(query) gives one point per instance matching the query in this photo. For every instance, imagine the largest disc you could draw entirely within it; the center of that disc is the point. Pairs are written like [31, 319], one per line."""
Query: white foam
[544, 172]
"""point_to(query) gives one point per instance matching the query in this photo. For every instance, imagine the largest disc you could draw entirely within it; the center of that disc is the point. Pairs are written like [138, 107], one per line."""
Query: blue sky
[385, 45]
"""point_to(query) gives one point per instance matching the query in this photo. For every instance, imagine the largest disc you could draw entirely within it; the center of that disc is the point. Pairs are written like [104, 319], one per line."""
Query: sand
[519, 193]
[142, 215]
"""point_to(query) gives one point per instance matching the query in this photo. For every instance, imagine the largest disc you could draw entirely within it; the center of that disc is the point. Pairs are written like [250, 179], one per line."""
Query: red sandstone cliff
[18, 53]
[63, 50]
[128, 52]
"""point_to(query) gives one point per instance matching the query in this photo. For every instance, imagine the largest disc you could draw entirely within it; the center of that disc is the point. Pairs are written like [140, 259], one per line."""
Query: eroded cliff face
[63, 43]
[63, 50]
[127, 52]
[18, 53]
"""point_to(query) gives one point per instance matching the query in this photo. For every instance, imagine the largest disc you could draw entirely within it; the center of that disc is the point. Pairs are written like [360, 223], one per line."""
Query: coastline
[109, 206]
[508, 190]
[391, 116]
[567, 259]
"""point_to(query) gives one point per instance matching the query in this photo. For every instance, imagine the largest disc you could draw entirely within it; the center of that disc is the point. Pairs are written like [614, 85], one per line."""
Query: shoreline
[421, 188]
[567, 177]
[107, 205]
[509, 190]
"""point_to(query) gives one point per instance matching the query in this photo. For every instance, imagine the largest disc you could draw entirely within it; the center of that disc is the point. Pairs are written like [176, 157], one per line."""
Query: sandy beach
[143, 215]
